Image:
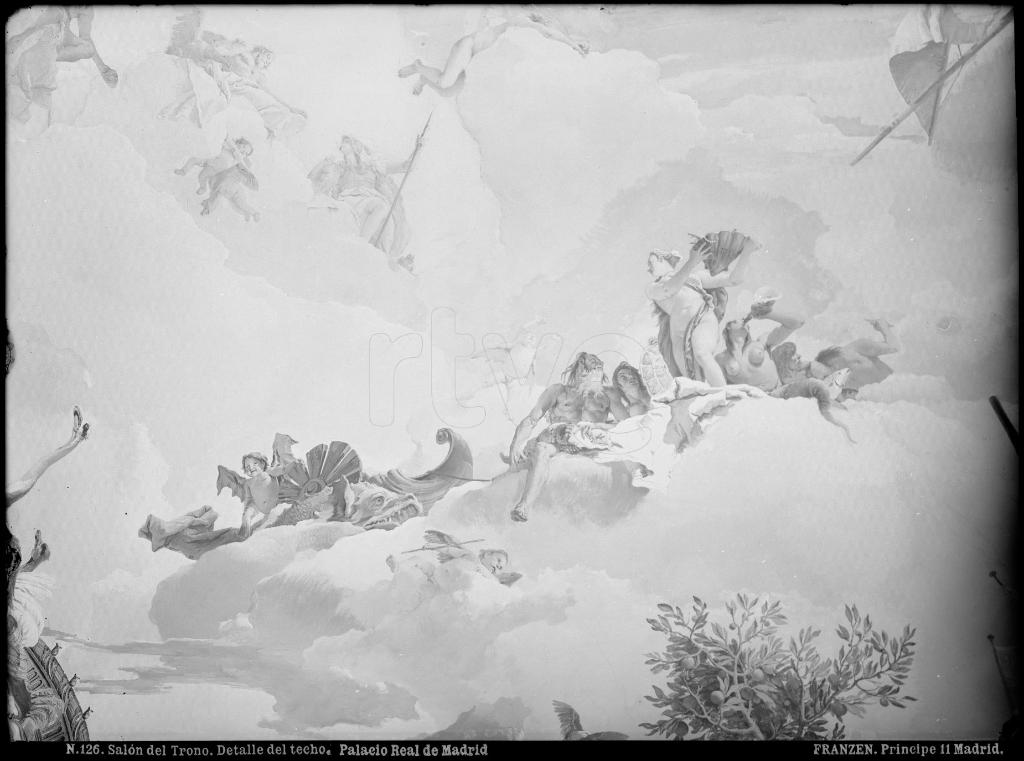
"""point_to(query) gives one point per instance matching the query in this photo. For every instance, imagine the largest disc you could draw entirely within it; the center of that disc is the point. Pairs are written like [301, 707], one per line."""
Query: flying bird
[573, 730]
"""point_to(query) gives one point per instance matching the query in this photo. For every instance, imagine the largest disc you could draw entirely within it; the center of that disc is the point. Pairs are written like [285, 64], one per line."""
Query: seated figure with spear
[363, 183]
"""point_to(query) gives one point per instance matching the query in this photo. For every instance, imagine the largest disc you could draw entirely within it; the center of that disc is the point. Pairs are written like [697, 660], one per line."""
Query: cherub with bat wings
[259, 488]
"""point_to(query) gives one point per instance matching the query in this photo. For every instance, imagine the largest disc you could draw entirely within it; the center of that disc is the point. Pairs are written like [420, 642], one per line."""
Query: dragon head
[373, 506]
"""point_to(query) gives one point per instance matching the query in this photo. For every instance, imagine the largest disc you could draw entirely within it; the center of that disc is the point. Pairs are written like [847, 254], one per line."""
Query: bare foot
[418, 88]
[180, 172]
[518, 514]
[412, 68]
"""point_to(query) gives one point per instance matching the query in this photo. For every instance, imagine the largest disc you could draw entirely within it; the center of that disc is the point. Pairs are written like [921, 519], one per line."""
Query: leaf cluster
[735, 678]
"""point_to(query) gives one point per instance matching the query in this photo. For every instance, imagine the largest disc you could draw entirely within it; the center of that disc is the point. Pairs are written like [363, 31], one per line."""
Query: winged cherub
[259, 488]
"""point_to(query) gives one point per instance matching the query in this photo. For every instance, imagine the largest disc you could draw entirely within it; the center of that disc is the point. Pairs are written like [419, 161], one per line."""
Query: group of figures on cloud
[355, 179]
[690, 301]
[41, 704]
[329, 486]
[217, 72]
[217, 69]
[648, 413]
[643, 417]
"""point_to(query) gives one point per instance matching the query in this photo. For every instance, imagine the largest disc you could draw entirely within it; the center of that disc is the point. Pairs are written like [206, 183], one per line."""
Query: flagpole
[419, 141]
[938, 96]
[945, 75]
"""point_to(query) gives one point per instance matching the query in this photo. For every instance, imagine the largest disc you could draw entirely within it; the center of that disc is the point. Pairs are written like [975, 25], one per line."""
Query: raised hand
[80, 430]
[516, 454]
[40, 554]
[109, 76]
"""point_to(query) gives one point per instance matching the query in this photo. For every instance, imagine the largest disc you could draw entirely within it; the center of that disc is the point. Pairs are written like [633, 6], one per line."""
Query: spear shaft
[419, 141]
[931, 88]
[441, 546]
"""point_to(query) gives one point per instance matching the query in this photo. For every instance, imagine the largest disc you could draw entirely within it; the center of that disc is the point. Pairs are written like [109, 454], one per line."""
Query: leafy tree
[741, 681]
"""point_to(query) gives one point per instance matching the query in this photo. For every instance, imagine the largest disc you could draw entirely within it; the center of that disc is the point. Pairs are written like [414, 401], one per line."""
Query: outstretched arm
[317, 175]
[787, 324]
[547, 400]
[671, 285]
[24, 485]
[275, 96]
[251, 519]
[400, 167]
[259, 79]
[272, 517]
[537, 24]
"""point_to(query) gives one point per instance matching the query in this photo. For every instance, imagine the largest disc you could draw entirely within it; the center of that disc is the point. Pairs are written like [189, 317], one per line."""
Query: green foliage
[741, 681]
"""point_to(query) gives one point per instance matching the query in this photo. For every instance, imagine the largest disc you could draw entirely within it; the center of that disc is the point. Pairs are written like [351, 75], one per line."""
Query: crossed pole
[931, 88]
